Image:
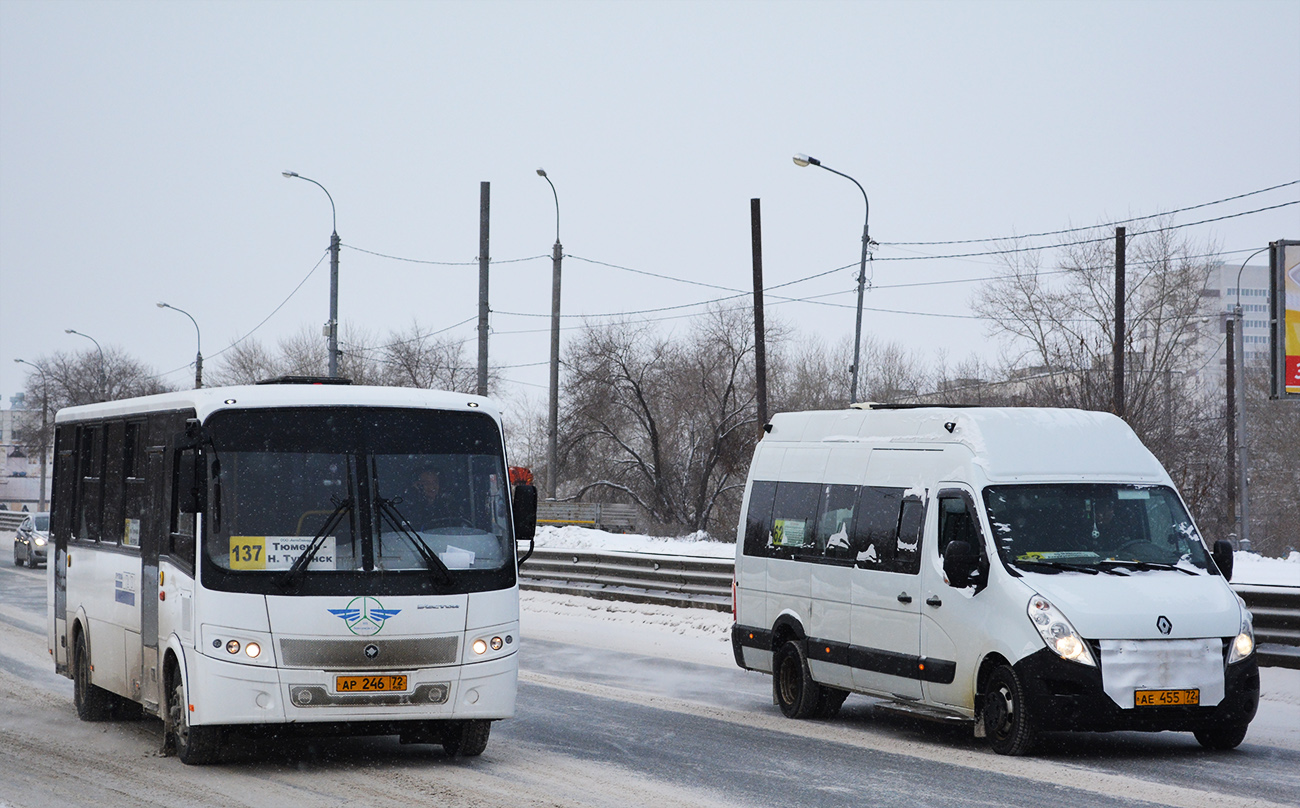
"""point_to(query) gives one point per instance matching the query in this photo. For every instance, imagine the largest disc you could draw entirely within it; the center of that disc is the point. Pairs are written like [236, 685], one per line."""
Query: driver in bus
[424, 506]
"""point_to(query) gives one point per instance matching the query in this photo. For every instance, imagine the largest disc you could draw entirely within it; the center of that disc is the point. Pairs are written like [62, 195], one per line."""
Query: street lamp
[552, 450]
[45, 409]
[332, 327]
[103, 373]
[1239, 340]
[803, 160]
[198, 358]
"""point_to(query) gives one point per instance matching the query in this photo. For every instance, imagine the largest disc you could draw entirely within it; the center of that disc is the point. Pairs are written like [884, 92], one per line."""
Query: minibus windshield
[308, 494]
[1093, 528]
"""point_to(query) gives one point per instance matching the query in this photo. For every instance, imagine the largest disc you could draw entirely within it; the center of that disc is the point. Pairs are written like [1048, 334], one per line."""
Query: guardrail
[706, 584]
[600, 515]
[10, 520]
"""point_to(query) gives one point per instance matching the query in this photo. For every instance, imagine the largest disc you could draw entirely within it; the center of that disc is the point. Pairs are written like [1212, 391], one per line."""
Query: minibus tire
[1008, 722]
[796, 693]
[194, 746]
[1221, 738]
[93, 703]
[469, 739]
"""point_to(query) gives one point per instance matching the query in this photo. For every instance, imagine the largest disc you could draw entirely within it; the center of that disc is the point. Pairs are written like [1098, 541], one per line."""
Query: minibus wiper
[300, 563]
[389, 511]
[1146, 565]
[1056, 566]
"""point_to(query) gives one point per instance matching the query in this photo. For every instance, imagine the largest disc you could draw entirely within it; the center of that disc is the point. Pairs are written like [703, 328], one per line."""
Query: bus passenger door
[152, 530]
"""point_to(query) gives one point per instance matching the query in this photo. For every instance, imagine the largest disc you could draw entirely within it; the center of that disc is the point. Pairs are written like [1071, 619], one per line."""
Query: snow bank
[571, 537]
[1249, 568]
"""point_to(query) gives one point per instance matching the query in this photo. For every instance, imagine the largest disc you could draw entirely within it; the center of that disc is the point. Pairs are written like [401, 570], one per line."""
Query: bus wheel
[194, 745]
[1007, 720]
[1221, 738]
[467, 738]
[796, 693]
[93, 703]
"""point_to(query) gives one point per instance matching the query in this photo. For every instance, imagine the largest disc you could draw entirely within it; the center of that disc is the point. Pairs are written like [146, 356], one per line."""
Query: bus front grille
[368, 654]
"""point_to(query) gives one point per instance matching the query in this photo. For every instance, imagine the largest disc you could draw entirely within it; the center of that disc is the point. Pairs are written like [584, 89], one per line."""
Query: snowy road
[621, 706]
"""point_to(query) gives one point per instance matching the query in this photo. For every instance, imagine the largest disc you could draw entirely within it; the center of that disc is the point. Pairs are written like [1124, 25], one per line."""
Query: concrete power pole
[483, 209]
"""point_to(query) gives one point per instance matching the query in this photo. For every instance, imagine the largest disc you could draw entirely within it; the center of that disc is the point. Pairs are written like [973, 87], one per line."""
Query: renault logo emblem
[372, 650]
[1164, 625]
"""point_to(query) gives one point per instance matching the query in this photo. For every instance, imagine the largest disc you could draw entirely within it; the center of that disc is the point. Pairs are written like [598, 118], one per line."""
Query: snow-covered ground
[702, 636]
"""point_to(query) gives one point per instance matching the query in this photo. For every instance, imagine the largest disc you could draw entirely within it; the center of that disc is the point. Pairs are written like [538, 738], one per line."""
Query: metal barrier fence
[10, 520]
[600, 515]
[706, 584]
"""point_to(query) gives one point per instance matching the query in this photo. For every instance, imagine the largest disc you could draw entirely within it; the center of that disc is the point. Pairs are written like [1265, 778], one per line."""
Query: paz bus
[255, 560]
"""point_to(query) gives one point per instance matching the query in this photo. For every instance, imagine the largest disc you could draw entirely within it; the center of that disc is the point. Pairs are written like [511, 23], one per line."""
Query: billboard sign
[1284, 263]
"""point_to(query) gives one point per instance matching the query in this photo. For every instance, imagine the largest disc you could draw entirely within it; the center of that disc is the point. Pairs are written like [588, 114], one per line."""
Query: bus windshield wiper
[388, 511]
[300, 563]
[1145, 565]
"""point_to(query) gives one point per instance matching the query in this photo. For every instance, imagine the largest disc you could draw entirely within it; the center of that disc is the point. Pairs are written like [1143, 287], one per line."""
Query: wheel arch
[787, 626]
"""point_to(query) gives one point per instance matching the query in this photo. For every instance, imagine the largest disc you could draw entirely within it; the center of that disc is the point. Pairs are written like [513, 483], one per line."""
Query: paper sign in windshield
[279, 552]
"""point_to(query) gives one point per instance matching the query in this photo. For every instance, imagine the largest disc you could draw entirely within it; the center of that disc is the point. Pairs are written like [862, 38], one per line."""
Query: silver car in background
[32, 538]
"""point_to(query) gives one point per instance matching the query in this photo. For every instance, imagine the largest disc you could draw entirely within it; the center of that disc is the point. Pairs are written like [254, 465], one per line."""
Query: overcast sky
[141, 146]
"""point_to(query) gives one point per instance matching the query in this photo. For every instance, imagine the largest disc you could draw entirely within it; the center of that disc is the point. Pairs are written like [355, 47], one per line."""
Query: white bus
[262, 558]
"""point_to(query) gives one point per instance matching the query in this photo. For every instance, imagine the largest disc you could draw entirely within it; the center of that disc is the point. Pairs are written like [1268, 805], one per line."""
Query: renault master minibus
[1025, 569]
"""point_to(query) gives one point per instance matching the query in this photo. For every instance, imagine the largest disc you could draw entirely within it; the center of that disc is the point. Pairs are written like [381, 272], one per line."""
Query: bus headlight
[1243, 645]
[253, 650]
[480, 647]
[1057, 632]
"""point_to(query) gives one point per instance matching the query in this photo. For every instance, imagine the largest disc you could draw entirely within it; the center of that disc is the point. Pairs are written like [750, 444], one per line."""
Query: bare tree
[415, 358]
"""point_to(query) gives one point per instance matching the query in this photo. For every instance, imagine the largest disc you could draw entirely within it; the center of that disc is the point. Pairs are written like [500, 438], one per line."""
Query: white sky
[141, 146]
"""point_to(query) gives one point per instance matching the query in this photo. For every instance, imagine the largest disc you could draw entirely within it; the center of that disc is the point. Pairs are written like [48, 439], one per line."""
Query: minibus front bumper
[1064, 695]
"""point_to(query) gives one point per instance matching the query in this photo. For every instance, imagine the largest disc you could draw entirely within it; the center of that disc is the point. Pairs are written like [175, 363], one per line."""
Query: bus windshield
[1093, 528]
[300, 496]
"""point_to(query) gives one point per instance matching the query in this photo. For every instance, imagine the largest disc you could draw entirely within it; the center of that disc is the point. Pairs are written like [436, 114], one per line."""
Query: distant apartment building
[1223, 292]
[20, 464]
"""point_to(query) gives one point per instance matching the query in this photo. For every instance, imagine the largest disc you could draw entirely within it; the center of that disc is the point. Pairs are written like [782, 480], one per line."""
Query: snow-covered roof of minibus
[1007, 442]
[208, 400]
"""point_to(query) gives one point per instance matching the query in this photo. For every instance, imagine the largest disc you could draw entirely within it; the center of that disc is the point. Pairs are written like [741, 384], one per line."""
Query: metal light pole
[1243, 491]
[803, 160]
[103, 374]
[198, 357]
[332, 327]
[45, 409]
[552, 448]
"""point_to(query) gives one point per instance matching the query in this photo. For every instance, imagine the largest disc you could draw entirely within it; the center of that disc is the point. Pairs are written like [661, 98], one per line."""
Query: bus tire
[796, 693]
[1008, 722]
[1221, 738]
[467, 738]
[194, 746]
[93, 703]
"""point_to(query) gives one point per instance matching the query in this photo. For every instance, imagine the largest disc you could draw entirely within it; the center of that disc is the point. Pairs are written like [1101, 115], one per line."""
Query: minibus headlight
[253, 650]
[480, 647]
[1243, 645]
[1057, 632]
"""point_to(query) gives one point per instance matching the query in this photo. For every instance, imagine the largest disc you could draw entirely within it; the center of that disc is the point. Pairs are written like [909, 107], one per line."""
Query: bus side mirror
[190, 489]
[1222, 555]
[523, 507]
[959, 563]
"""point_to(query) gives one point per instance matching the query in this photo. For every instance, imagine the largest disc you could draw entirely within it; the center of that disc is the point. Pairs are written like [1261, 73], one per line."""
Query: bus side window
[793, 515]
[876, 530]
[90, 480]
[758, 518]
[187, 483]
[835, 521]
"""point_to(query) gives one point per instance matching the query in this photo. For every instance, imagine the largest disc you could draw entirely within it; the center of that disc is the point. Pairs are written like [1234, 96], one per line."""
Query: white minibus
[1025, 569]
[306, 557]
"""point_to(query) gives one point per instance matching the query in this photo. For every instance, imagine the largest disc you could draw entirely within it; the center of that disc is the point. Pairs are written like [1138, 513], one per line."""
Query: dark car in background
[32, 538]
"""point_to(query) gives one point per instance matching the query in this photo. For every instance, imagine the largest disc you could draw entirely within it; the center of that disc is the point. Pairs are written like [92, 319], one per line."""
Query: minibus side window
[876, 531]
[793, 515]
[835, 522]
[758, 519]
[911, 519]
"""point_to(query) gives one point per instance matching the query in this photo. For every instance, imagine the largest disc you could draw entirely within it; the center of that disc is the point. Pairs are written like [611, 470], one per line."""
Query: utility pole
[484, 196]
[1117, 403]
[760, 343]
[1231, 385]
[553, 408]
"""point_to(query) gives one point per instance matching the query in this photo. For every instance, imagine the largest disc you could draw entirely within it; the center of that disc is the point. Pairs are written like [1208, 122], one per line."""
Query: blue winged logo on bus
[364, 616]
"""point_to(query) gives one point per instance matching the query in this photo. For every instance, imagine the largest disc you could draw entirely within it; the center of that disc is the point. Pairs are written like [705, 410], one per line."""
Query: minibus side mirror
[959, 563]
[523, 506]
[190, 486]
[1222, 556]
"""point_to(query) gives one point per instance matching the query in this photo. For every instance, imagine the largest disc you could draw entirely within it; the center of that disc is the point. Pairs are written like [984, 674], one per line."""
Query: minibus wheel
[1007, 719]
[796, 693]
[469, 739]
[1221, 738]
[93, 703]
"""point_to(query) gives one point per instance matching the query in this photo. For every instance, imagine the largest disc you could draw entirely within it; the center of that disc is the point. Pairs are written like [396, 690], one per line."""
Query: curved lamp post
[333, 325]
[198, 357]
[1239, 340]
[45, 409]
[103, 373]
[552, 450]
[803, 160]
